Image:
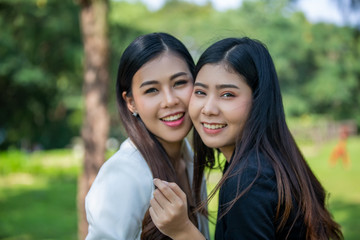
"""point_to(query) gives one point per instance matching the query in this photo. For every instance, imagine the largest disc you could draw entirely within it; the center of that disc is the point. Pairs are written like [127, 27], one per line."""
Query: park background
[50, 145]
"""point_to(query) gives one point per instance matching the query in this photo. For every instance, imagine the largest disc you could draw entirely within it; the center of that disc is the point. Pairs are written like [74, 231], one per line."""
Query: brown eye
[227, 95]
[151, 90]
[199, 92]
[180, 82]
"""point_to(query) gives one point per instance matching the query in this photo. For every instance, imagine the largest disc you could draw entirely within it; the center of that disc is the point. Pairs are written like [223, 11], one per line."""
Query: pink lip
[175, 123]
[211, 131]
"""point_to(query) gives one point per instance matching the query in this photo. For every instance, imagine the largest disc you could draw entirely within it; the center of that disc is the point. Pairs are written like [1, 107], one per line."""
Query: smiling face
[161, 91]
[219, 106]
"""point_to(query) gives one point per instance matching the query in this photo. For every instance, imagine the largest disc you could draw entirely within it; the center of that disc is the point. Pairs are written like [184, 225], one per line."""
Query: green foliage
[41, 51]
[42, 60]
[315, 62]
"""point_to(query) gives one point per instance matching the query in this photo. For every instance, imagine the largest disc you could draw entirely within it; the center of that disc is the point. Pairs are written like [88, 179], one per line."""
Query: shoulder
[120, 194]
[251, 191]
[254, 174]
[255, 165]
[126, 168]
[125, 175]
[127, 160]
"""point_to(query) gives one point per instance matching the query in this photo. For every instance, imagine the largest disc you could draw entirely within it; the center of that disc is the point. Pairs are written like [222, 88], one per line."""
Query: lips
[172, 118]
[213, 126]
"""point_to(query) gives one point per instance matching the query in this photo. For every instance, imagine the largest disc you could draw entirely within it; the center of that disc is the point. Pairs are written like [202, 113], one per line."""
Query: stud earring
[135, 114]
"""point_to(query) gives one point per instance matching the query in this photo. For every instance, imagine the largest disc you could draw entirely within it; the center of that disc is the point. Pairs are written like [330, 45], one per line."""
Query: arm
[169, 212]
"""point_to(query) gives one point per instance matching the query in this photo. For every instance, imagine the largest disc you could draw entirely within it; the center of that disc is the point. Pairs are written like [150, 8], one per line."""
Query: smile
[172, 117]
[214, 126]
[174, 120]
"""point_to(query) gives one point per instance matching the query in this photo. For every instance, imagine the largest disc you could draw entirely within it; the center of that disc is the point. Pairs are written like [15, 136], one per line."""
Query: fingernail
[165, 182]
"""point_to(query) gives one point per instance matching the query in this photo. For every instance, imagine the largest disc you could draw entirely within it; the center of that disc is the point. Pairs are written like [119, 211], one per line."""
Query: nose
[170, 99]
[210, 107]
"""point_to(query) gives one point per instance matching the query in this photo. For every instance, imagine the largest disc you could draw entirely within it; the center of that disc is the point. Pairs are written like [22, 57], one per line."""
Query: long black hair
[266, 132]
[143, 49]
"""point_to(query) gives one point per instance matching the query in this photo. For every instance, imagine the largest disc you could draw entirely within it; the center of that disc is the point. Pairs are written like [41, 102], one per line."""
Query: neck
[228, 152]
[173, 150]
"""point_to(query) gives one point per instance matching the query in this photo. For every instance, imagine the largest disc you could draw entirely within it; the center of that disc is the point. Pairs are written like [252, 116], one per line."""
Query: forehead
[218, 74]
[162, 66]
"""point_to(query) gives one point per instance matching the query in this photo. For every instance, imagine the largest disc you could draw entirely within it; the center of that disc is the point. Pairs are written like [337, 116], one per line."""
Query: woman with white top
[154, 84]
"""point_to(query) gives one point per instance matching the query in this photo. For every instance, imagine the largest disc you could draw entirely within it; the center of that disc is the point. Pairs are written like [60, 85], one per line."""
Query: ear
[130, 103]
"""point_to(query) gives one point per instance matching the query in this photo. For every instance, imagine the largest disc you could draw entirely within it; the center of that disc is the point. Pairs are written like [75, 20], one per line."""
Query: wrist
[189, 232]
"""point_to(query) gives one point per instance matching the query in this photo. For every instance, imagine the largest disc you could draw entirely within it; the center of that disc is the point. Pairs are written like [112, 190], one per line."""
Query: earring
[135, 114]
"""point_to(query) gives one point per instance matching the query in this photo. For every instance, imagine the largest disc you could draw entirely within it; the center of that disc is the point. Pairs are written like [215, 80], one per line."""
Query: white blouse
[121, 193]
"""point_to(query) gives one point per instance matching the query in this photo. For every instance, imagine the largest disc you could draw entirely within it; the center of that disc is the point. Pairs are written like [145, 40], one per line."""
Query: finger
[165, 189]
[156, 208]
[153, 216]
[178, 191]
[162, 201]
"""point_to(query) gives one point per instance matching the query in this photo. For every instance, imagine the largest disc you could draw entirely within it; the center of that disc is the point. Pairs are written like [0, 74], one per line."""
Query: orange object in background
[340, 151]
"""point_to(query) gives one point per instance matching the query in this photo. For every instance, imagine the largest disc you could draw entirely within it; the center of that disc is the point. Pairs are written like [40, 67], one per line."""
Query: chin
[212, 144]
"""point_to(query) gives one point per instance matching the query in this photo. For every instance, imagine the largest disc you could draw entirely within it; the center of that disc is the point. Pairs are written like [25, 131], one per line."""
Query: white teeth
[214, 126]
[173, 117]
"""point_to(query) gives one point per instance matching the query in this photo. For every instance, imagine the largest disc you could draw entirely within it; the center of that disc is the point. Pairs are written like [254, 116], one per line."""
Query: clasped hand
[168, 209]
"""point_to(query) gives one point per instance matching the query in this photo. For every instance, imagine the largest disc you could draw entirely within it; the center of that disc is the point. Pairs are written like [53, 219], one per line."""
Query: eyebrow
[172, 77]
[178, 75]
[197, 84]
[221, 86]
[151, 82]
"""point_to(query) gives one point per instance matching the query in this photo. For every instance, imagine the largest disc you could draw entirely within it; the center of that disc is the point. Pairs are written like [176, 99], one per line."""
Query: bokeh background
[48, 141]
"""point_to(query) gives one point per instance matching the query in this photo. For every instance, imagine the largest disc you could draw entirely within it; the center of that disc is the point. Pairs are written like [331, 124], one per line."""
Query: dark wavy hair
[266, 132]
[142, 50]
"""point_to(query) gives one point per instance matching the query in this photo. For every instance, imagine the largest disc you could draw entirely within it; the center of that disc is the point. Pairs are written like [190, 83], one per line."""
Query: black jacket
[253, 215]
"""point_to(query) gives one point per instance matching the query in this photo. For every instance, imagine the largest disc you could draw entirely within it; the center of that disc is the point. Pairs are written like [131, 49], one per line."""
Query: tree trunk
[95, 89]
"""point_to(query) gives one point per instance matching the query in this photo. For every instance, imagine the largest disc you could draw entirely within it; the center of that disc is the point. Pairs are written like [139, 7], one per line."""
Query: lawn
[38, 195]
[38, 191]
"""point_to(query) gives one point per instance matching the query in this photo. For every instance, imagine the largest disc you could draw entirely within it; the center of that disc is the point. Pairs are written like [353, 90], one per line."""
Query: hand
[168, 209]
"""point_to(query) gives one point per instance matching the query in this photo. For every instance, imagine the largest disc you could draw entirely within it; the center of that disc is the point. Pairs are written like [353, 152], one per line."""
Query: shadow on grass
[347, 214]
[45, 213]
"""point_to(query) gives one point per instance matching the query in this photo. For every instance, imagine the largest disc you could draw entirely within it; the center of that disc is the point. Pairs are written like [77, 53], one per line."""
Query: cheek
[192, 112]
[237, 112]
[242, 107]
[193, 107]
[143, 105]
[186, 95]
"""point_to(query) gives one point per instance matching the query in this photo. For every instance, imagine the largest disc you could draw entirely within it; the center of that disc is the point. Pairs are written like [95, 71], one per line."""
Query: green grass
[38, 195]
[341, 184]
[38, 191]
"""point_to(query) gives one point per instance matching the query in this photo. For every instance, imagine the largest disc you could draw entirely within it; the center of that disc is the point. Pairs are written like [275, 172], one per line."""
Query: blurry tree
[94, 28]
[304, 53]
[336, 82]
[40, 81]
